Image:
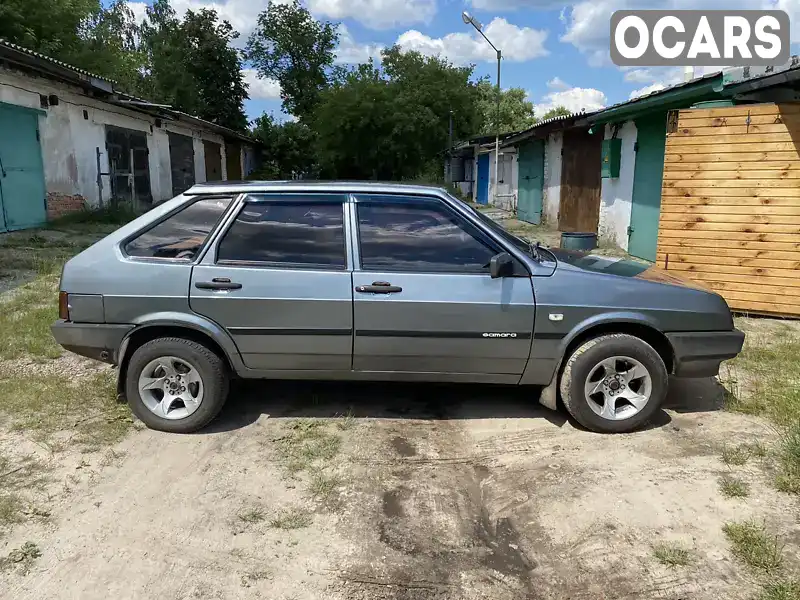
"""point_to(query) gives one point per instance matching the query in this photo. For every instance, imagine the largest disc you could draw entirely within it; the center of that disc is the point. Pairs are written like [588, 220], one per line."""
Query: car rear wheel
[614, 383]
[176, 385]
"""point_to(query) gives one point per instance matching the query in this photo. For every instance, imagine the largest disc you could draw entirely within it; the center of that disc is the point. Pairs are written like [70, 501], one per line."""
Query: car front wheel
[176, 385]
[614, 383]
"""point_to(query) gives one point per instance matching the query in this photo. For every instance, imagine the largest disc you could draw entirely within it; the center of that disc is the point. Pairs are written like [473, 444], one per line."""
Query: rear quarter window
[180, 236]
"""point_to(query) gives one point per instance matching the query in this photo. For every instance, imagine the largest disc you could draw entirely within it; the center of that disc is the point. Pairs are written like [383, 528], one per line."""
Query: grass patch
[25, 319]
[740, 454]
[781, 590]
[118, 214]
[323, 487]
[11, 509]
[788, 479]
[251, 577]
[672, 555]
[306, 444]
[22, 558]
[48, 405]
[252, 515]
[346, 422]
[754, 545]
[296, 518]
[733, 487]
[735, 455]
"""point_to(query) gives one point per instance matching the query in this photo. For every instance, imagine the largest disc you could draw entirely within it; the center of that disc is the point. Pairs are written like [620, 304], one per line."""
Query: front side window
[182, 235]
[421, 236]
[288, 234]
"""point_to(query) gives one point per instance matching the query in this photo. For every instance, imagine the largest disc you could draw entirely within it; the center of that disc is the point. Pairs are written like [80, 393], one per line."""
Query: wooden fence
[730, 204]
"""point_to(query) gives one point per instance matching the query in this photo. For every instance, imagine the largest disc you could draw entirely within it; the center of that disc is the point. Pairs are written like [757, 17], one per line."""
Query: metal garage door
[181, 158]
[22, 190]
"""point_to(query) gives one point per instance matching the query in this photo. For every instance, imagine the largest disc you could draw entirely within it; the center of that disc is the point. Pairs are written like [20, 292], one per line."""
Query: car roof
[352, 187]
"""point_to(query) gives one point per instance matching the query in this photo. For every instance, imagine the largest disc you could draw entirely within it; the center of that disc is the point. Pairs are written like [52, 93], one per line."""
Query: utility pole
[470, 20]
[449, 178]
[497, 132]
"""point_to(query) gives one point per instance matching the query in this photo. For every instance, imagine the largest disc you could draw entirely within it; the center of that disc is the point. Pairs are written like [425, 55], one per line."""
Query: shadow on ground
[319, 399]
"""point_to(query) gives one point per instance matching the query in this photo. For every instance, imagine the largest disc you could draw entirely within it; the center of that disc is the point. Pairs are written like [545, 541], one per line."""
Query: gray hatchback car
[367, 281]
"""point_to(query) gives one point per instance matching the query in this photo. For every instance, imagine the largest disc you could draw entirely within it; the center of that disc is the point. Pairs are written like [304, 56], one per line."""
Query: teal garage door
[22, 191]
[648, 173]
[530, 181]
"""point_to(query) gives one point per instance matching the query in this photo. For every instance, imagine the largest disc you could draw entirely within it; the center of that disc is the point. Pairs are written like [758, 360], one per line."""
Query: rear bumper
[699, 354]
[97, 341]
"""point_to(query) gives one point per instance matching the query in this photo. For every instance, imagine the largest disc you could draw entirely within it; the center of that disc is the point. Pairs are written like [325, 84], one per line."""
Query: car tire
[209, 376]
[600, 362]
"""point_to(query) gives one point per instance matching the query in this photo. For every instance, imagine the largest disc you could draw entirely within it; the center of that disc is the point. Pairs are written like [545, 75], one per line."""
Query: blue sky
[556, 51]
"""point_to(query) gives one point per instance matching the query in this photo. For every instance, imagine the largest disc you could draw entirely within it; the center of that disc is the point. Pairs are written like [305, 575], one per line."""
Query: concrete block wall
[616, 194]
[71, 131]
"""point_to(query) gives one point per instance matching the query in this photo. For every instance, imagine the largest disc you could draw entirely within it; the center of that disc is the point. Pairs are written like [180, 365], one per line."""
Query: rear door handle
[218, 283]
[379, 287]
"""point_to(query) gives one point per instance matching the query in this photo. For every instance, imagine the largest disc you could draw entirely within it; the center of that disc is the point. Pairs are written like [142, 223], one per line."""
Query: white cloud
[241, 14]
[139, 10]
[518, 44]
[573, 99]
[377, 14]
[653, 87]
[261, 89]
[498, 5]
[351, 52]
[557, 84]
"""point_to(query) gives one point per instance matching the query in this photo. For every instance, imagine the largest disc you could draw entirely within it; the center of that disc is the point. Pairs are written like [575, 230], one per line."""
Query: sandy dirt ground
[442, 492]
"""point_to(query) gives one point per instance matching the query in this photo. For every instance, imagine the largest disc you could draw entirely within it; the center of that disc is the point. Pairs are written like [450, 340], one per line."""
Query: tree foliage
[53, 28]
[558, 111]
[191, 65]
[291, 46]
[188, 63]
[515, 114]
[390, 122]
[287, 149]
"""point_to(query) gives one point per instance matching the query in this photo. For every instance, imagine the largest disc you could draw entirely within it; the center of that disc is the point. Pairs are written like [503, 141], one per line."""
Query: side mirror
[501, 265]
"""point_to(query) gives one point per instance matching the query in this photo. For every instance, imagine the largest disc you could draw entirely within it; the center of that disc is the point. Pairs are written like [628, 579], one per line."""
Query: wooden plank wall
[730, 204]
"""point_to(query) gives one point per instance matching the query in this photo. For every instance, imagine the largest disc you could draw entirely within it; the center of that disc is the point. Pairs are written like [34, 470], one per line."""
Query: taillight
[63, 306]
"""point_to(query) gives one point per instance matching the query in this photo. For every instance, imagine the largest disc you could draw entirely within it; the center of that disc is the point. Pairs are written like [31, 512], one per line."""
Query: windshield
[512, 239]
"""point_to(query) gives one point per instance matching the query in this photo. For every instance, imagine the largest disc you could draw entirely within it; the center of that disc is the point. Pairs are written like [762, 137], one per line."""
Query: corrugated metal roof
[117, 97]
[662, 91]
[33, 54]
[545, 125]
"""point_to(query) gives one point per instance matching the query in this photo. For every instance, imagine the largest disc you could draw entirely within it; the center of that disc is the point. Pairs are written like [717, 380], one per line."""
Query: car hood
[585, 261]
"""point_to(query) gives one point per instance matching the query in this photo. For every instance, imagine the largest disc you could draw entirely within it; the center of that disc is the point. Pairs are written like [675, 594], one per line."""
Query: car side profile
[382, 282]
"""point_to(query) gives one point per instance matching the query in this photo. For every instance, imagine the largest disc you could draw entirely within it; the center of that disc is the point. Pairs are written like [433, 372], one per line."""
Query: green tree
[558, 111]
[287, 149]
[390, 123]
[291, 46]
[52, 28]
[192, 66]
[516, 112]
[109, 46]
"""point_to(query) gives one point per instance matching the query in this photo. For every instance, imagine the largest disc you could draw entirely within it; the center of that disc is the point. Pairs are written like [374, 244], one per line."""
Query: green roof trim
[679, 96]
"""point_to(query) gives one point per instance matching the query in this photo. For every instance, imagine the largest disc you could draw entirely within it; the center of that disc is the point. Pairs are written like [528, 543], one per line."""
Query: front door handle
[379, 287]
[218, 283]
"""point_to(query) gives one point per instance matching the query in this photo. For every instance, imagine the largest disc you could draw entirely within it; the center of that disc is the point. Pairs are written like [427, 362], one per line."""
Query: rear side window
[287, 234]
[421, 237]
[183, 234]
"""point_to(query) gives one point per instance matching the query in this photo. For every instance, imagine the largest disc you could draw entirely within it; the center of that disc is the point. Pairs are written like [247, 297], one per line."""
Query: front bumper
[97, 341]
[699, 354]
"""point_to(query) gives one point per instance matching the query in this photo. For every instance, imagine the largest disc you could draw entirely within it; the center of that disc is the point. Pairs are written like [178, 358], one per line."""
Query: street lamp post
[470, 20]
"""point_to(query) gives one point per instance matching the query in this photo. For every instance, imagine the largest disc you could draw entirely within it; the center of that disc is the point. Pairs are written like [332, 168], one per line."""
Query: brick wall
[63, 204]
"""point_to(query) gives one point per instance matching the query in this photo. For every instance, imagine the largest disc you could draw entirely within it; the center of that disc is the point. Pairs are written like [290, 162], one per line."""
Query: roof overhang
[680, 96]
